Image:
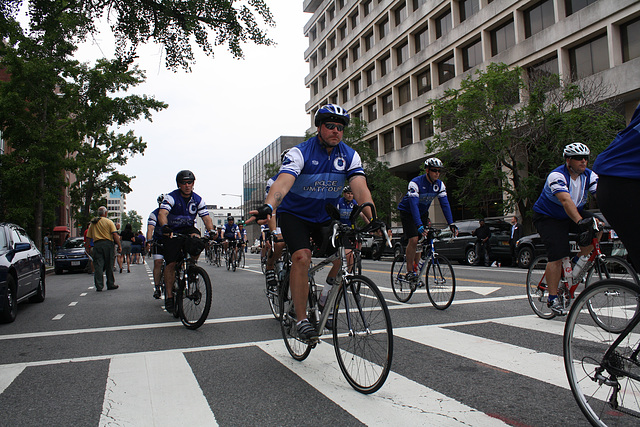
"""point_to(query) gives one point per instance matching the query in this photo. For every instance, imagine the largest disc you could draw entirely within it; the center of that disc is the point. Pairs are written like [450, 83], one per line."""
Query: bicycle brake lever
[334, 235]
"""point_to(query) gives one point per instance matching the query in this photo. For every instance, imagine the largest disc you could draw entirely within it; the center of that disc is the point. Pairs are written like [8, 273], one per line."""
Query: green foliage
[132, 217]
[385, 187]
[173, 24]
[509, 142]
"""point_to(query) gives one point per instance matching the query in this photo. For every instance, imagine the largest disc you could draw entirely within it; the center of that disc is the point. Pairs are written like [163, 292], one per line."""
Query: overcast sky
[220, 115]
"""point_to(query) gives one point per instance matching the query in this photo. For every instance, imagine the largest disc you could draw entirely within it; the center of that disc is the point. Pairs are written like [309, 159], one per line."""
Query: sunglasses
[332, 126]
[186, 182]
[435, 170]
[580, 158]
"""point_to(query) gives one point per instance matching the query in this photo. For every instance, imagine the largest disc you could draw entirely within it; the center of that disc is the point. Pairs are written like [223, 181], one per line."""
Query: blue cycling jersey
[320, 178]
[345, 207]
[269, 184]
[183, 211]
[153, 221]
[420, 195]
[559, 180]
[622, 157]
[230, 231]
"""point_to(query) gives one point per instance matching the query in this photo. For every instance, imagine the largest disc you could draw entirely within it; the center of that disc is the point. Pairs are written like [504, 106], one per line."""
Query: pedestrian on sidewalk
[103, 232]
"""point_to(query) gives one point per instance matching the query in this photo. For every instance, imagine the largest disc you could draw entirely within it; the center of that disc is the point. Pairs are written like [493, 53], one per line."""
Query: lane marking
[58, 317]
[72, 304]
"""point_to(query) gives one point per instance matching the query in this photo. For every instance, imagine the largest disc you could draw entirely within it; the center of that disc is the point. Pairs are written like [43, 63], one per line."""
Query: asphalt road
[114, 358]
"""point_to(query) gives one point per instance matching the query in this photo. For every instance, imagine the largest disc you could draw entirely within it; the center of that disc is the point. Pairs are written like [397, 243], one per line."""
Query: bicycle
[435, 273]
[192, 290]
[601, 357]
[361, 327]
[281, 269]
[241, 257]
[597, 267]
[230, 257]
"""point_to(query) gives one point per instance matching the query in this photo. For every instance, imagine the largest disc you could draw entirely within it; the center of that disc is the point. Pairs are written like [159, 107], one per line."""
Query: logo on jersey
[339, 163]
[193, 208]
[286, 161]
[315, 162]
[436, 188]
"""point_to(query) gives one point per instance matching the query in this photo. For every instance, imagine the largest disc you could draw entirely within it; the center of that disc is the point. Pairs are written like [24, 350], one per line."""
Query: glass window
[370, 75]
[368, 41]
[3, 239]
[332, 13]
[400, 13]
[444, 24]
[344, 62]
[426, 126]
[314, 88]
[387, 138]
[589, 58]
[333, 71]
[383, 27]
[345, 93]
[418, 3]
[471, 55]
[385, 65]
[387, 103]
[332, 42]
[446, 69]
[402, 53]
[357, 85]
[404, 93]
[355, 51]
[572, 6]
[333, 99]
[314, 61]
[323, 51]
[322, 24]
[630, 34]
[538, 17]
[502, 38]
[421, 39]
[313, 34]
[342, 30]
[373, 144]
[468, 8]
[372, 111]
[406, 135]
[323, 80]
[355, 19]
[423, 80]
[367, 6]
[543, 69]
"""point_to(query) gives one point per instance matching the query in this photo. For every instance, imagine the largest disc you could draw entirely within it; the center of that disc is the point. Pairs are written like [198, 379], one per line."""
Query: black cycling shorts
[172, 248]
[409, 227]
[297, 232]
[555, 233]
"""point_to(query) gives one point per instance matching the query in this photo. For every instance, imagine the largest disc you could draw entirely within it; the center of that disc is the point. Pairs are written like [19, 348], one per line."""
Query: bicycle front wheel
[402, 288]
[604, 383]
[611, 267]
[298, 349]
[440, 282]
[537, 293]
[362, 334]
[241, 258]
[194, 300]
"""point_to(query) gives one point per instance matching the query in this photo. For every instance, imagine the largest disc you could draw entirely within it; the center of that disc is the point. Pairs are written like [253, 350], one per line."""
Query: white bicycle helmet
[576, 149]
[433, 162]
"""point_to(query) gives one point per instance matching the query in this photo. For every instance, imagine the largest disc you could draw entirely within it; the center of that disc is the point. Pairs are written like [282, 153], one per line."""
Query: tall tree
[132, 217]
[503, 133]
[102, 149]
[173, 24]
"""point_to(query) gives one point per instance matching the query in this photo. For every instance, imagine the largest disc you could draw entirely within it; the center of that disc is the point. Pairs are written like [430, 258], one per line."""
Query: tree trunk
[39, 214]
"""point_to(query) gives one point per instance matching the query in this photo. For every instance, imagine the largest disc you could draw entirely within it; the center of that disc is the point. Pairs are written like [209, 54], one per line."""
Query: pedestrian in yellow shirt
[103, 232]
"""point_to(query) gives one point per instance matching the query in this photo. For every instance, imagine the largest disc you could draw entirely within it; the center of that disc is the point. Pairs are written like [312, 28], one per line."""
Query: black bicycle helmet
[185, 175]
[331, 113]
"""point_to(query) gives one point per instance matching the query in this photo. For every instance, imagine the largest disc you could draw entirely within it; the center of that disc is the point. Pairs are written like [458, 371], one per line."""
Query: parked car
[255, 248]
[531, 246]
[22, 271]
[375, 247]
[71, 256]
[463, 247]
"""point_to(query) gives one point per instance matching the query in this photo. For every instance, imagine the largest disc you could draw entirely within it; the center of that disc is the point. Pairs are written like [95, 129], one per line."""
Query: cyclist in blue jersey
[414, 209]
[178, 213]
[558, 211]
[231, 233]
[345, 206]
[273, 229]
[618, 168]
[154, 233]
[242, 232]
[312, 175]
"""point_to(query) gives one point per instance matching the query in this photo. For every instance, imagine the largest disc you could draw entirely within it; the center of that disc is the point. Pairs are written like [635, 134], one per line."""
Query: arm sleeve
[413, 196]
[446, 209]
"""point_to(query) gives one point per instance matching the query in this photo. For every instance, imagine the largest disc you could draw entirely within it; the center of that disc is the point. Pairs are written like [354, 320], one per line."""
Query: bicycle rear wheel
[194, 299]
[241, 258]
[273, 297]
[362, 334]
[612, 267]
[402, 288]
[440, 282]
[537, 288]
[604, 387]
[298, 349]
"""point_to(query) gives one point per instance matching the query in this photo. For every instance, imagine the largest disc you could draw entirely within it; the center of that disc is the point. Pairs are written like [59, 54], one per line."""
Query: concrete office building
[382, 59]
